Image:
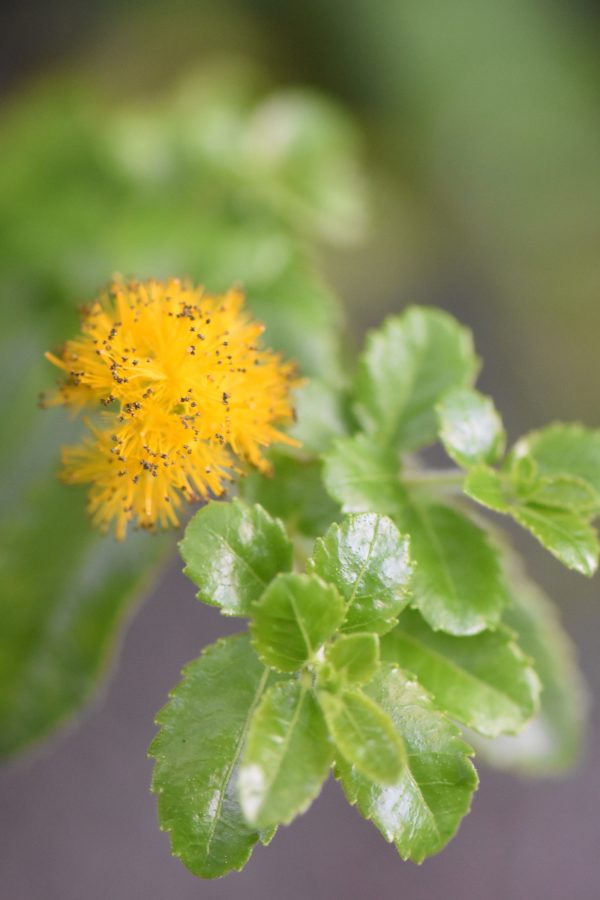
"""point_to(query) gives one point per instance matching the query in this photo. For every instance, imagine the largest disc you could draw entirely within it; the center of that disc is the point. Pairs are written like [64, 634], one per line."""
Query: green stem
[443, 478]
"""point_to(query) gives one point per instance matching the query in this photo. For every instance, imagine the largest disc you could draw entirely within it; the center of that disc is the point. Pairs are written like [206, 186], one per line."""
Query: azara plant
[384, 613]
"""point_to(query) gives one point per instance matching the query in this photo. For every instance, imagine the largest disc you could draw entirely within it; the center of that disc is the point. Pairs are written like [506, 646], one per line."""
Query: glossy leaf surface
[293, 619]
[232, 551]
[484, 681]
[566, 534]
[458, 584]
[287, 756]
[368, 560]
[565, 450]
[355, 657]
[422, 810]
[470, 428]
[197, 753]
[364, 735]
[405, 369]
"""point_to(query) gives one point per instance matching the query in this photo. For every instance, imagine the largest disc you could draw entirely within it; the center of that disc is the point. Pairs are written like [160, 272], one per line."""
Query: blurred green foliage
[219, 180]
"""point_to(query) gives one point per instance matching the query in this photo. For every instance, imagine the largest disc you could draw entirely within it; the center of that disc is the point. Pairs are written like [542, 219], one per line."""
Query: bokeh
[380, 153]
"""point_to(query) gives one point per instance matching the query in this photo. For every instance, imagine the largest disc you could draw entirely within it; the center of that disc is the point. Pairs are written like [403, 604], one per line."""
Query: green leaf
[232, 551]
[569, 538]
[355, 657]
[470, 428]
[565, 492]
[405, 369]
[321, 416]
[368, 561]
[293, 493]
[484, 681]
[65, 593]
[552, 741]
[564, 450]
[488, 487]
[458, 584]
[197, 753]
[364, 735]
[422, 810]
[287, 756]
[567, 535]
[363, 476]
[293, 619]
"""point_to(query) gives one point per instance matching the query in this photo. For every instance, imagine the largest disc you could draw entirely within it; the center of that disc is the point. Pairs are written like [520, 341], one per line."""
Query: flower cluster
[183, 389]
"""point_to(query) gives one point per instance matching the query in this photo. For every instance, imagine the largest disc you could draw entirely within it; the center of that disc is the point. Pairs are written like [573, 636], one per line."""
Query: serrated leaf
[295, 493]
[421, 812]
[355, 657]
[405, 369]
[368, 560]
[564, 450]
[458, 585]
[287, 756]
[552, 741]
[470, 428]
[232, 551]
[363, 476]
[484, 681]
[565, 492]
[567, 535]
[364, 735]
[488, 487]
[293, 619]
[197, 752]
[571, 539]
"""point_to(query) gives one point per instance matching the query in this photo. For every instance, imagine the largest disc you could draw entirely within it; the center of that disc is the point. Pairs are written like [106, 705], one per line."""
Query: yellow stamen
[185, 389]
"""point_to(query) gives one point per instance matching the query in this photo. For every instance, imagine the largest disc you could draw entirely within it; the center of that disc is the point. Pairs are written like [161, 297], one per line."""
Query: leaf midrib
[238, 749]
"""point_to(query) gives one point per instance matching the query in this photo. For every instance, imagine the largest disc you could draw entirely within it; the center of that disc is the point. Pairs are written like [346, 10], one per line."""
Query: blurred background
[442, 153]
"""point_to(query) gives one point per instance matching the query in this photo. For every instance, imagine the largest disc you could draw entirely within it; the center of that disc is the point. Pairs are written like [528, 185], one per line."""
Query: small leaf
[552, 741]
[367, 559]
[405, 369]
[458, 584]
[232, 551]
[197, 750]
[484, 681]
[364, 735]
[564, 450]
[488, 487]
[470, 428]
[293, 619]
[355, 656]
[422, 810]
[565, 492]
[287, 756]
[294, 493]
[566, 536]
[363, 476]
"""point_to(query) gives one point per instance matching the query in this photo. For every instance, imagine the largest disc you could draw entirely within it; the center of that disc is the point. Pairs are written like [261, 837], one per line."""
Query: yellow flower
[186, 390]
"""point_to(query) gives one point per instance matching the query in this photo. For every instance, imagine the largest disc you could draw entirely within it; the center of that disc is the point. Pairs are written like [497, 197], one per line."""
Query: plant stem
[443, 478]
